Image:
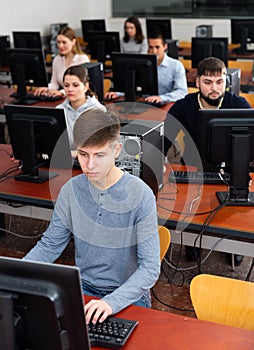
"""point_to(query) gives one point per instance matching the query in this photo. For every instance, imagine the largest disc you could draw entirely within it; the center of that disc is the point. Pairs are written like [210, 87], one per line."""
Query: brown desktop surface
[160, 330]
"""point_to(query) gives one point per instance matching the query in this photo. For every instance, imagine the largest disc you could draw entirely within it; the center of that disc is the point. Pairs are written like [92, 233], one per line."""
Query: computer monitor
[96, 78]
[4, 45]
[162, 26]
[242, 32]
[41, 306]
[39, 139]
[27, 68]
[92, 25]
[227, 136]
[207, 47]
[102, 44]
[135, 74]
[27, 40]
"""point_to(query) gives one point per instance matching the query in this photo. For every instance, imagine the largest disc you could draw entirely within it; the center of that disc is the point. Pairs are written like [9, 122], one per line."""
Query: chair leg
[233, 262]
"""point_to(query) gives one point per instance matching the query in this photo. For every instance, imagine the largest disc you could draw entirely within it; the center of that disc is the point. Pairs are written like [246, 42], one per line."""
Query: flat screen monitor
[4, 46]
[27, 40]
[207, 47]
[41, 306]
[39, 139]
[162, 26]
[242, 32]
[135, 74]
[227, 136]
[27, 68]
[102, 44]
[92, 25]
[96, 78]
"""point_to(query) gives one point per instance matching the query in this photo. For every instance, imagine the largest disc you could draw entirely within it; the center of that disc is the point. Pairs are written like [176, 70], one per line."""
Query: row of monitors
[39, 139]
[132, 73]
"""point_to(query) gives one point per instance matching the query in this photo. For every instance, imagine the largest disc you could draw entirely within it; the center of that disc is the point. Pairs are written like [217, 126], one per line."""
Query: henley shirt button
[100, 214]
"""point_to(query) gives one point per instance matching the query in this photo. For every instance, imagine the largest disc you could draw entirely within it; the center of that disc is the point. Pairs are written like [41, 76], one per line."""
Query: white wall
[38, 15]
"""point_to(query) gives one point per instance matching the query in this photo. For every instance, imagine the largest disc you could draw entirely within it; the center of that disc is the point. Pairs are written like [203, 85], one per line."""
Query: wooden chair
[223, 300]
[107, 85]
[165, 239]
[245, 66]
[249, 97]
[187, 63]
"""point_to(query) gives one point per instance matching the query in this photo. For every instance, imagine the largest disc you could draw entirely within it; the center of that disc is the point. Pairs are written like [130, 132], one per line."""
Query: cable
[21, 236]
[250, 270]
[170, 306]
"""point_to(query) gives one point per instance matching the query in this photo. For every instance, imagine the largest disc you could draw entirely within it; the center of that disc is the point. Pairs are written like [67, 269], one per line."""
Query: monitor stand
[224, 197]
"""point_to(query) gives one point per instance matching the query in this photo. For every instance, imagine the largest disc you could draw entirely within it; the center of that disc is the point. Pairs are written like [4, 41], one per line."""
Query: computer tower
[233, 80]
[204, 31]
[96, 76]
[4, 45]
[54, 29]
[173, 46]
[142, 151]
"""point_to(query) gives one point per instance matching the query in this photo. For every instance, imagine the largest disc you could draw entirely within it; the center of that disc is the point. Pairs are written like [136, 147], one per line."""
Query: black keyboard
[154, 104]
[43, 97]
[196, 177]
[112, 333]
[38, 98]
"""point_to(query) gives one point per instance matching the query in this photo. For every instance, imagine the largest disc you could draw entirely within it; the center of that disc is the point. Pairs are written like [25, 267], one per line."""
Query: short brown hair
[96, 128]
[211, 66]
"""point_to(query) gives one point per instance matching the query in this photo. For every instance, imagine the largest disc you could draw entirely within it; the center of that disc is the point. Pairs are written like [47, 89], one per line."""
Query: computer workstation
[32, 288]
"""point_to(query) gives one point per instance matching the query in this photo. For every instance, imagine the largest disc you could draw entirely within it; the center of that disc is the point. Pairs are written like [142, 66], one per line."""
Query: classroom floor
[171, 292]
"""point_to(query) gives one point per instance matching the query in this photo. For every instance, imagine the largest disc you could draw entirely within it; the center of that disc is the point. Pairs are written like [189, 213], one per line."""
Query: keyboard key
[113, 333]
[196, 177]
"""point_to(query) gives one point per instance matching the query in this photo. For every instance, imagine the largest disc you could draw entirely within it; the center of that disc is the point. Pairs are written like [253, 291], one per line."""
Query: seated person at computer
[172, 80]
[133, 40]
[79, 97]
[212, 94]
[70, 54]
[115, 231]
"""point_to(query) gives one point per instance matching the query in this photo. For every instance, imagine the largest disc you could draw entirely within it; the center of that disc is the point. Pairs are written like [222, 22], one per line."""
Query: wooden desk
[5, 98]
[179, 206]
[160, 330]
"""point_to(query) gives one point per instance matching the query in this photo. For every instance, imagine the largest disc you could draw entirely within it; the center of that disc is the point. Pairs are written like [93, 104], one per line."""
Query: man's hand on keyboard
[153, 99]
[97, 311]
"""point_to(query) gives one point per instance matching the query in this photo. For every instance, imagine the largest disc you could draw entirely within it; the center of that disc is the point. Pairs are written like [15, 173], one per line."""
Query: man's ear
[197, 82]
[118, 149]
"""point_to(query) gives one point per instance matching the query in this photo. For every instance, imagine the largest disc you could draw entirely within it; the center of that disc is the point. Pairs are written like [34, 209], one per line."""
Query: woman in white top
[79, 97]
[70, 54]
[133, 40]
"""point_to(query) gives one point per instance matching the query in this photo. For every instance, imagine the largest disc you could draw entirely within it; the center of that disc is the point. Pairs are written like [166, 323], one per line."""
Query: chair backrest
[223, 300]
[165, 239]
[249, 97]
[245, 66]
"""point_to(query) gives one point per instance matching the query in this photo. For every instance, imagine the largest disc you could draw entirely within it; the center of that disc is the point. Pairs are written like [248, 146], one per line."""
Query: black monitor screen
[4, 45]
[39, 139]
[27, 40]
[242, 32]
[135, 74]
[96, 78]
[227, 136]
[207, 47]
[102, 44]
[92, 25]
[41, 306]
[27, 68]
[162, 26]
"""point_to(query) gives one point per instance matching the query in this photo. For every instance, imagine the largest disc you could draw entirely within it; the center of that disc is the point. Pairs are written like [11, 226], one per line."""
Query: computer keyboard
[38, 98]
[112, 333]
[43, 97]
[154, 104]
[196, 177]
